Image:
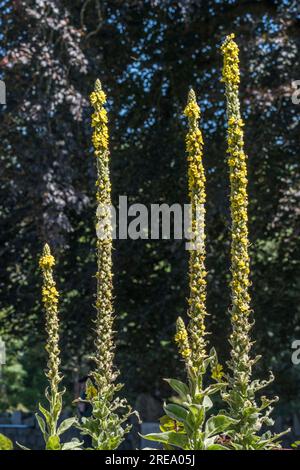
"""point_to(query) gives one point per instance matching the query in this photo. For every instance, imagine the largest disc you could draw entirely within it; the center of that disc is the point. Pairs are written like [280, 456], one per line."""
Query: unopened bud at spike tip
[98, 86]
[191, 95]
[46, 250]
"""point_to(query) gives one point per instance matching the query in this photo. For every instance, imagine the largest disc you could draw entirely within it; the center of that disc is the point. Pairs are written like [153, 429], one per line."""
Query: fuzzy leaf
[65, 425]
[196, 416]
[5, 443]
[207, 403]
[219, 424]
[42, 425]
[179, 387]
[46, 414]
[53, 443]
[21, 446]
[176, 412]
[168, 424]
[217, 447]
[212, 389]
[74, 444]
[171, 438]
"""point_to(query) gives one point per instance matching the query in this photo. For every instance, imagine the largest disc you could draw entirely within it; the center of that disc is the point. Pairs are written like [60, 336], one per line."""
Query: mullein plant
[186, 424]
[108, 424]
[49, 419]
[241, 394]
[5, 443]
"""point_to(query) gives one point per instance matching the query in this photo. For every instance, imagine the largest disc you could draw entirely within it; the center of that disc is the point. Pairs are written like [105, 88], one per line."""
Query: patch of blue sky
[279, 140]
[270, 24]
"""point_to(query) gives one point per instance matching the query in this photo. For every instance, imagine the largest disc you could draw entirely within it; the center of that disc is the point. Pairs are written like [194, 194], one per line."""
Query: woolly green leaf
[176, 439]
[65, 425]
[42, 425]
[207, 403]
[5, 443]
[74, 444]
[169, 424]
[21, 446]
[176, 412]
[196, 416]
[217, 447]
[53, 443]
[179, 387]
[237, 446]
[212, 389]
[219, 424]
[46, 414]
[57, 408]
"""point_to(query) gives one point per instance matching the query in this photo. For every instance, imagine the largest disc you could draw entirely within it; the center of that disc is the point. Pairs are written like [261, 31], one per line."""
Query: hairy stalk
[104, 373]
[197, 273]
[242, 390]
[106, 425]
[50, 300]
[49, 423]
[185, 424]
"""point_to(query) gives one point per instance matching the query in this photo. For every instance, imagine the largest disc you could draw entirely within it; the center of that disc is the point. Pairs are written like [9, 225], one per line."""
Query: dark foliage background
[147, 54]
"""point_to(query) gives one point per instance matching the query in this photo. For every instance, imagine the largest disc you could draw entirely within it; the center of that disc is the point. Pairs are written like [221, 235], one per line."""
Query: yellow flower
[99, 120]
[192, 110]
[91, 391]
[217, 372]
[180, 336]
[47, 261]
[196, 352]
[231, 73]
[186, 352]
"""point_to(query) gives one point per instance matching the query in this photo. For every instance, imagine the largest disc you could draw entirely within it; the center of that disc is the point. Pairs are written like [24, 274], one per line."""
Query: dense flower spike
[181, 338]
[48, 422]
[106, 425]
[197, 272]
[240, 361]
[104, 373]
[241, 392]
[50, 301]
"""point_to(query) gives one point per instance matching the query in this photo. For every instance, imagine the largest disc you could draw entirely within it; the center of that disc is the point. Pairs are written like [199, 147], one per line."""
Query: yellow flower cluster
[238, 180]
[181, 338]
[99, 120]
[47, 261]
[49, 295]
[50, 300]
[98, 96]
[240, 363]
[105, 373]
[231, 72]
[197, 272]
[106, 424]
[192, 110]
[217, 373]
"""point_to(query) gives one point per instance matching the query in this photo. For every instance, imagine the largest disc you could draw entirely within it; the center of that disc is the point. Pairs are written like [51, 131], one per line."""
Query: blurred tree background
[147, 55]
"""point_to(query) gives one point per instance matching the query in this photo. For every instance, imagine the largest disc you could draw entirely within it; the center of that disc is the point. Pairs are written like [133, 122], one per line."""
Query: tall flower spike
[193, 425]
[106, 425]
[49, 422]
[241, 392]
[181, 338]
[240, 361]
[197, 273]
[104, 373]
[50, 301]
